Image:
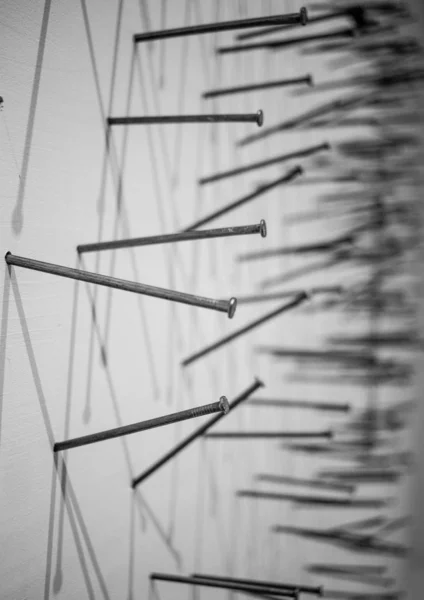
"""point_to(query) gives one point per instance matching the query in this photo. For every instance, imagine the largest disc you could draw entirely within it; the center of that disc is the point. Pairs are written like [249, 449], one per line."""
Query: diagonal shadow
[3, 338]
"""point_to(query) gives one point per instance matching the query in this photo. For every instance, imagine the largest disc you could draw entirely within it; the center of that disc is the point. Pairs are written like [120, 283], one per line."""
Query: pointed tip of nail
[232, 307]
[260, 118]
[224, 405]
[262, 229]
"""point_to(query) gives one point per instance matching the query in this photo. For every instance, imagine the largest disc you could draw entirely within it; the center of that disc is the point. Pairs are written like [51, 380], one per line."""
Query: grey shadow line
[3, 339]
[50, 531]
[31, 358]
[17, 216]
[61, 518]
[142, 504]
[131, 559]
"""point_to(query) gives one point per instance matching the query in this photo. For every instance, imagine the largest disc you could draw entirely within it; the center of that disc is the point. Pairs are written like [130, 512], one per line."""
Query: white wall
[75, 359]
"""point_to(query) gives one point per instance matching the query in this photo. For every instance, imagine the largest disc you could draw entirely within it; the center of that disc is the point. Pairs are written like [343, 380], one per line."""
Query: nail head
[232, 308]
[224, 405]
[263, 228]
[303, 15]
[260, 118]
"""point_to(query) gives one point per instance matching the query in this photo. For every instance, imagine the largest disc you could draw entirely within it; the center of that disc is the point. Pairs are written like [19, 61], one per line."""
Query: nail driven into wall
[343, 243]
[317, 501]
[257, 118]
[264, 435]
[302, 297]
[264, 163]
[300, 18]
[225, 585]
[227, 306]
[322, 290]
[260, 583]
[266, 85]
[288, 177]
[199, 411]
[185, 236]
[196, 434]
[302, 482]
[300, 404]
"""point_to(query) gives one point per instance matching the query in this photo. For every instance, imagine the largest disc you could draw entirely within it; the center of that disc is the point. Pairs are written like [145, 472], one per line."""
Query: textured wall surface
[75, 359]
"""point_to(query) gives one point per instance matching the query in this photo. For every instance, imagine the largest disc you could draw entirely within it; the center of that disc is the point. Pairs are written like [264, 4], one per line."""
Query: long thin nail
[258, 192]
[303, 404]
[328, 246]
[331, 289]
[264, 435]
[266, 85]
[264, 163]
[303, 589]
[313, 483]
[293, 18]
[229, 338]
[363, 475]
[121, 284]
[196, 434]
[199, 411]
[185, 236]
[276, 591]
[318, 501]
[270, 30]
[257, 118]
[286, 43]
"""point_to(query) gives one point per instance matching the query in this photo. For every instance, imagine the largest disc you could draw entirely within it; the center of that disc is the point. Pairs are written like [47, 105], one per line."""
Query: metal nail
[303, 589]
[300, 404]
[263, 435]
[196, 434]
[293, 18]
[292, 174]
[302, 297]
[228, 306]
[266, 85]
[199, 411]
[257, 118]
[175, 237]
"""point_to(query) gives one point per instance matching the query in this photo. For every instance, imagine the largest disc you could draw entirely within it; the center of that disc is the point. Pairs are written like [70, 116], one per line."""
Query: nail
[264, 163]
[121, 284]
[175, 237]
[328, 246]
[346, 103]
[311, 21]
[257, 118]
[290, 293]
[363, 475]
[301, 17]
[276, 591]
[260, 435]
[266, 85]
[314, 483]
[305, 404]
[303, 589]
[196, 434]
[358, 358]
[295, 172]
[229, 338]
[199, 411]
[318, 501]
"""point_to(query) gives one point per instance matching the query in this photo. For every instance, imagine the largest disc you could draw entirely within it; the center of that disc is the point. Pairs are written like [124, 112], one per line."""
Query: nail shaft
[286, 43]
[196, 434]
[263, 435]
[287, 19]
[292, 174]
[200, 411]
[175, 237]
[122, 284]
[328, 246]
[303, 589]
[171, 119]
[314, 483]
[232, 336]
[334, 289]
[317, 501]
[266, 85]
[304, 404]
[276, 591]
[264, 163]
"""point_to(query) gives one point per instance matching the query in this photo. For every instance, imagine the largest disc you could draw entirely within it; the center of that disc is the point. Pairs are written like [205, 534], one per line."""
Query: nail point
[232, 308]
[263, 228]
[260, 118]
[224, 405]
